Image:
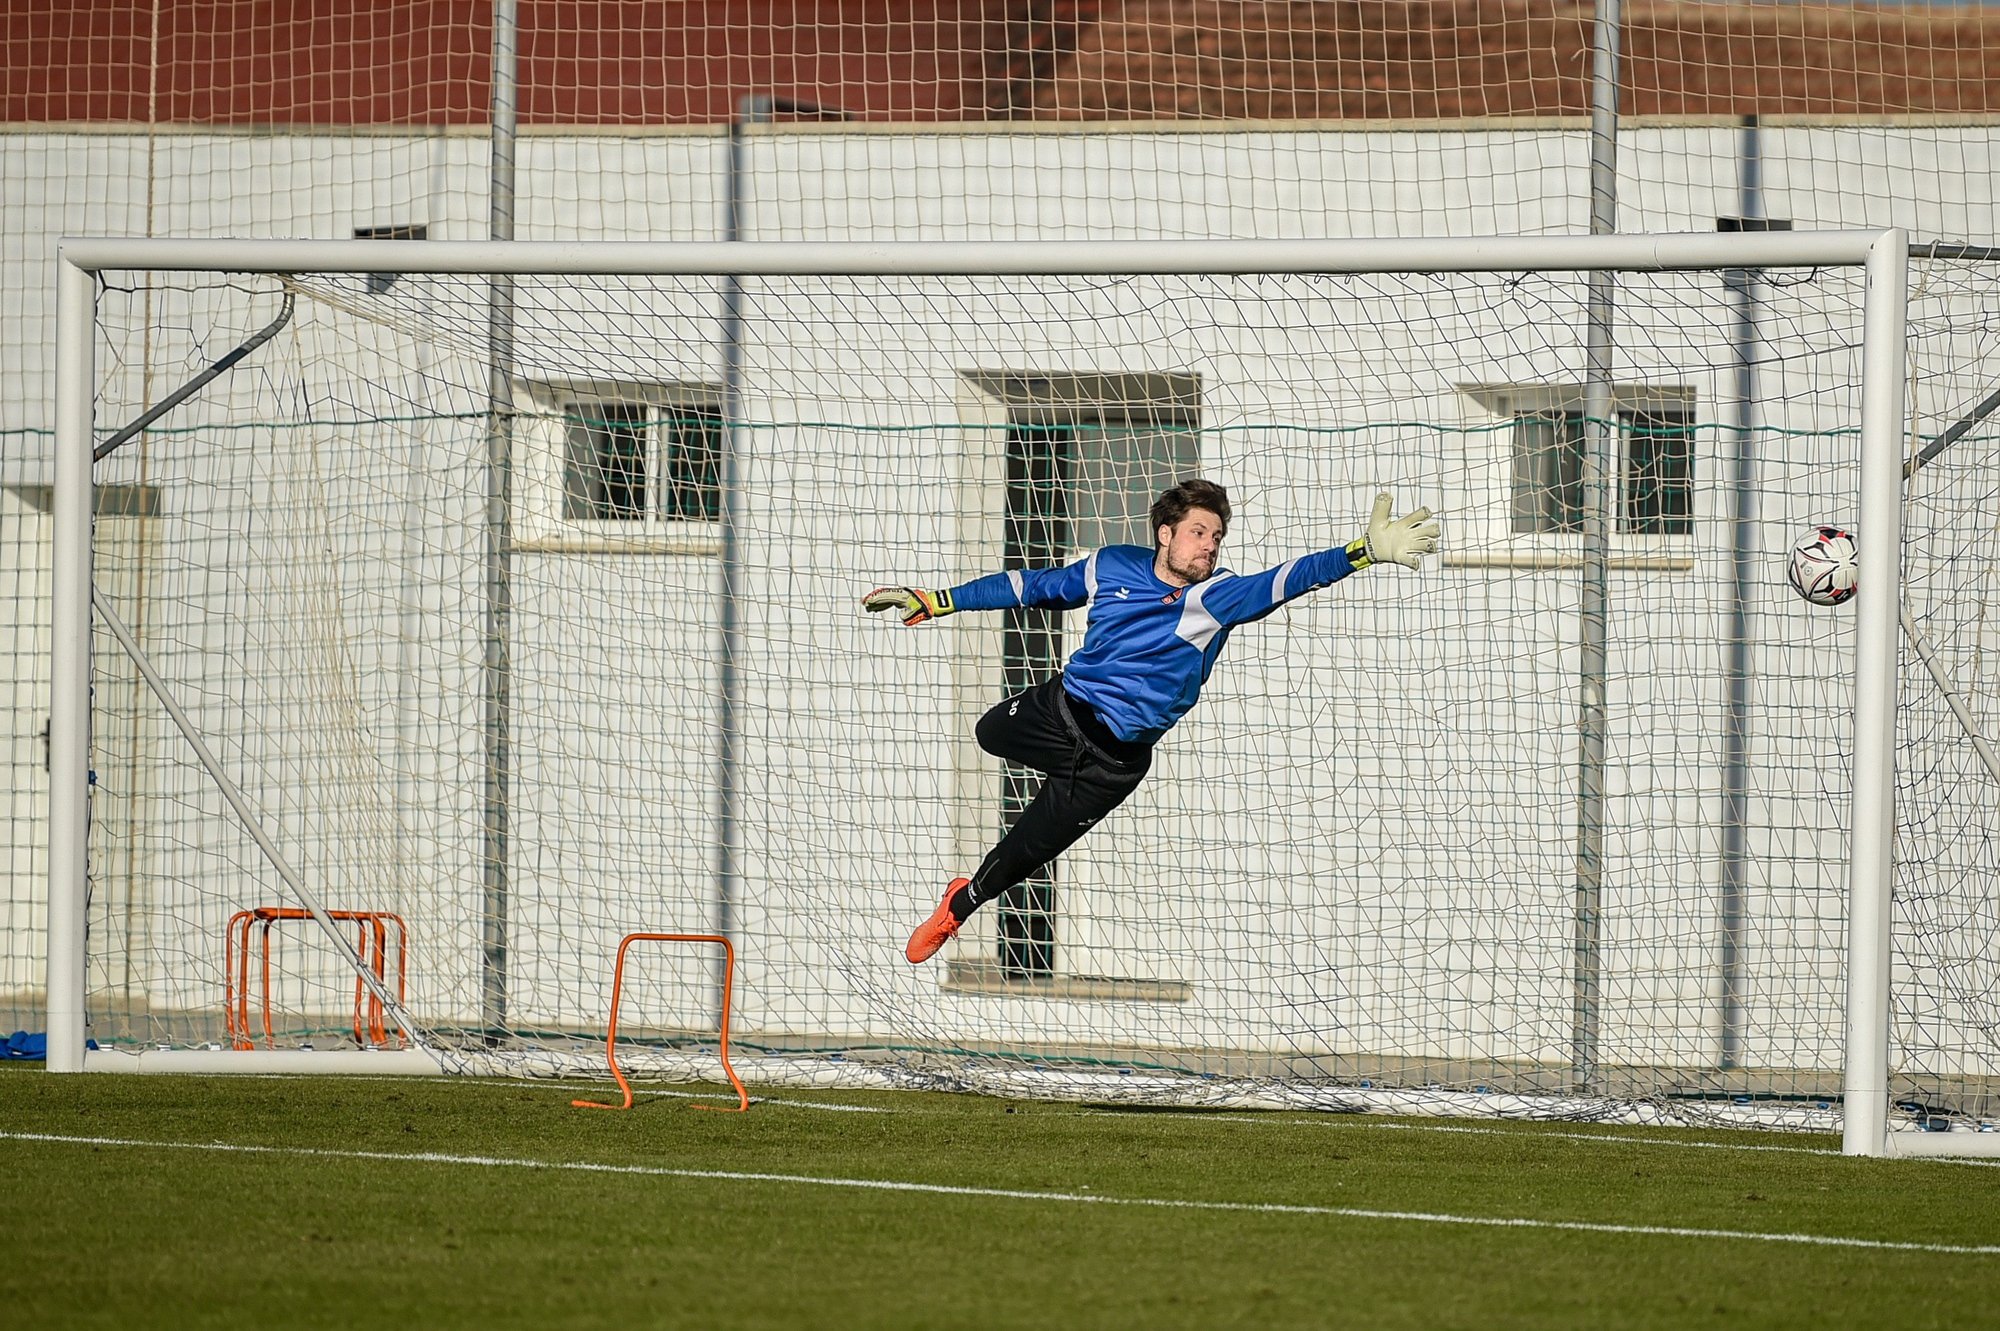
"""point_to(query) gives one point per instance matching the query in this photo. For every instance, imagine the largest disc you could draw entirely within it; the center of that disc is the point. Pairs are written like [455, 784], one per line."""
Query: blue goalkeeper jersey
[1147, 645]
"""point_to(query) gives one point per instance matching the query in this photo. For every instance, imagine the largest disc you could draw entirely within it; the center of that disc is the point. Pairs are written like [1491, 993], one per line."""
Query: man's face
[1189, 548]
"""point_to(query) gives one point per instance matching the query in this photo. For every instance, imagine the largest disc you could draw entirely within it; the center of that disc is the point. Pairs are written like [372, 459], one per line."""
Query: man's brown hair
[1174, 503]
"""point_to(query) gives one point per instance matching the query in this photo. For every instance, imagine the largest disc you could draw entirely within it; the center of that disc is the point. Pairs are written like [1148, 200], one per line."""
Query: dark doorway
[1037, 535]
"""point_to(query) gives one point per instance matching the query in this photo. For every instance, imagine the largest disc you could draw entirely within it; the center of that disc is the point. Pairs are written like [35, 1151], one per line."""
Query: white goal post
[855, 1001]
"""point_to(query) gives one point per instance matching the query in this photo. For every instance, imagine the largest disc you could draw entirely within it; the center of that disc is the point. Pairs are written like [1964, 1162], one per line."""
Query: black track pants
[1082, 782]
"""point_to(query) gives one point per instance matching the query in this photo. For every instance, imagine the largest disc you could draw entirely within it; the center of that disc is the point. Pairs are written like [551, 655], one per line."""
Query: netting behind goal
[1352, 877]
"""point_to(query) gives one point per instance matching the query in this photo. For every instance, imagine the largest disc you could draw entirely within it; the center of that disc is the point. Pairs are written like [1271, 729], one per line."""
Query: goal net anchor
[617, 993]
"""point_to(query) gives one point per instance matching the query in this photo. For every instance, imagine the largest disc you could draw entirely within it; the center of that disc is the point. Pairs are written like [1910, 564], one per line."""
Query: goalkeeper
[1157, 621]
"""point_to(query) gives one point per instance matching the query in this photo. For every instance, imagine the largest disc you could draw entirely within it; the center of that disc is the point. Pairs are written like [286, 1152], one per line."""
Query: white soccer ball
[1825, 566]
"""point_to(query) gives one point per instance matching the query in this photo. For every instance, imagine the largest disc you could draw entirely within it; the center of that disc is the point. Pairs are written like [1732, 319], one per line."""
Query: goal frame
[1883, 254]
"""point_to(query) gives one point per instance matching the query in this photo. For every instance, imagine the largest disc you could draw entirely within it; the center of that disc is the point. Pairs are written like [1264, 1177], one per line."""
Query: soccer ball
[1825, 566]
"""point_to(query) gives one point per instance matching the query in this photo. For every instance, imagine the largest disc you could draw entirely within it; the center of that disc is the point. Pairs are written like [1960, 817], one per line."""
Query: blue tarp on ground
[26, 1044]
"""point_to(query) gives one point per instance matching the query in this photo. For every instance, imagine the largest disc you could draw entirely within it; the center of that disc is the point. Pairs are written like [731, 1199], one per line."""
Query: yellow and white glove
[1405, 540]
[912, 603]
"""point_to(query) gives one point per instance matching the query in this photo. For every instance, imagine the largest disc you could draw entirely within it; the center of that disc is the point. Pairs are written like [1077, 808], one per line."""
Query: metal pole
[1958, 430]
[1741, 284]
[69, 682]
[974, 258]
[753, 110]
[196, 384]
[1865, 1094]
[498, 665]
[1600, 463]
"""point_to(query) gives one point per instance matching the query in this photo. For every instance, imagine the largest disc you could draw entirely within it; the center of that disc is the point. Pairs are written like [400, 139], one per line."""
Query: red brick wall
[426, 62]
[1424, 59]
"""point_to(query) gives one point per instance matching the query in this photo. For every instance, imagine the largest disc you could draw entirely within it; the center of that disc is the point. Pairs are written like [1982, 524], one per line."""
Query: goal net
[523, 613]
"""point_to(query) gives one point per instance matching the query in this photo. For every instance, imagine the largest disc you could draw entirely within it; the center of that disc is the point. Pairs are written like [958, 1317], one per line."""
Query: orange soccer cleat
[939, 929]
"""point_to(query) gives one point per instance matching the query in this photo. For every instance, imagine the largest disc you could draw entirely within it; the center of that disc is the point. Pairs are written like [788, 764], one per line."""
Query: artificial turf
[444, 1202]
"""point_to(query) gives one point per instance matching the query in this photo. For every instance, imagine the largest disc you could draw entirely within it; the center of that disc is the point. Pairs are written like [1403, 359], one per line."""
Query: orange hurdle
[617, 990]
[371, 944]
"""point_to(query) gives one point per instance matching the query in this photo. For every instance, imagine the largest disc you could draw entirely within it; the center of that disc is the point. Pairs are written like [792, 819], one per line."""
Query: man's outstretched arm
[1405, 540]
[1063, 588]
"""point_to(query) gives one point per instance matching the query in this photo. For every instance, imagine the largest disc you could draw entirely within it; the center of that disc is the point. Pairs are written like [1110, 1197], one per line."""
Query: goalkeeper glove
[912, 603]
[1405, 540]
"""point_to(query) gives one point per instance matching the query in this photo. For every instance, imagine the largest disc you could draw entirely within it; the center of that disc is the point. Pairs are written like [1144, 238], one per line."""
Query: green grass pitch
[268, 1202]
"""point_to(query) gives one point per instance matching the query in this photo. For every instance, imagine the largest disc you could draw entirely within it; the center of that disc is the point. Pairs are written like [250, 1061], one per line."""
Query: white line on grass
[1014, 1194]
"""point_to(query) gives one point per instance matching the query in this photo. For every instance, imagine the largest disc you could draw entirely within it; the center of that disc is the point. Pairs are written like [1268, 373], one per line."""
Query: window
[1656, 483]
[636, 462]
[606, 466]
